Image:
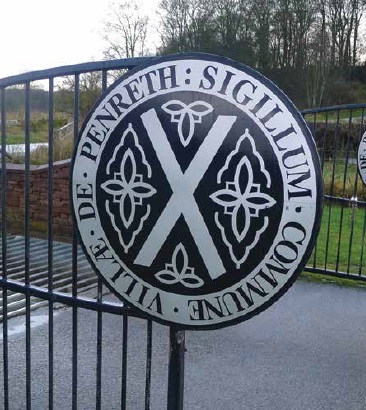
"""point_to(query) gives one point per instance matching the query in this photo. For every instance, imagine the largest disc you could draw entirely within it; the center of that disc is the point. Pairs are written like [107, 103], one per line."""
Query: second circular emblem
[196, 190]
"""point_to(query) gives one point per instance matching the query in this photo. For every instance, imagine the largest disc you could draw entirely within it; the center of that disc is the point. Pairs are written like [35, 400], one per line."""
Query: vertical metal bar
[100, 316]
[335, 139]
[324, 140]
[176, 368]
[352, 223]
[362, 242]
[4, 252]
[343, 194]
[50, 241]
[148, 365]
[124, 362]
[315, 248]
[323, 165]
[74, 267]
[104, 80]
[27, 245]
[99, 351]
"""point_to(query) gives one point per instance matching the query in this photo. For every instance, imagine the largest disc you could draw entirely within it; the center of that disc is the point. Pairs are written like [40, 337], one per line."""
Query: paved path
[307, 352]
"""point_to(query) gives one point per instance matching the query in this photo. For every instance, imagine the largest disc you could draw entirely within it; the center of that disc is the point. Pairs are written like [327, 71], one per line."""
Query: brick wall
[38, 210]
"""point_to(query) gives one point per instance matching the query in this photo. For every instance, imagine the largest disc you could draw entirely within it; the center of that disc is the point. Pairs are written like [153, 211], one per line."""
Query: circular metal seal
[196, 189]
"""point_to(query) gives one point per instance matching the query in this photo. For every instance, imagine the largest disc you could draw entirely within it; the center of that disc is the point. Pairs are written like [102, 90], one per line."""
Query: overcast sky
[39, 34]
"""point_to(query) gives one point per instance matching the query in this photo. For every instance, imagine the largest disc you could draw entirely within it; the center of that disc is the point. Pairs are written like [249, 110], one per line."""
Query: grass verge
[331, 280]
[341, 241]
[38, 127]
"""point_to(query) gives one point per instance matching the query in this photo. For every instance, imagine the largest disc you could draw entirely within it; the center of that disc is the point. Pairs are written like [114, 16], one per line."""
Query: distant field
[38, 128]
[38, 132]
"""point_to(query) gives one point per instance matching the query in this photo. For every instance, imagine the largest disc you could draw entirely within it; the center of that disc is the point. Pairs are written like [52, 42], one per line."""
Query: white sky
[40, 34]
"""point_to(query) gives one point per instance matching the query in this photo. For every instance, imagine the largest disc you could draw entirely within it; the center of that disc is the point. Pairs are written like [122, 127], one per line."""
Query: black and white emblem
[196, 190]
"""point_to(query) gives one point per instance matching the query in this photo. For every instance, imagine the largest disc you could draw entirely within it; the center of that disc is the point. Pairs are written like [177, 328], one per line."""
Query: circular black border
[315, 158]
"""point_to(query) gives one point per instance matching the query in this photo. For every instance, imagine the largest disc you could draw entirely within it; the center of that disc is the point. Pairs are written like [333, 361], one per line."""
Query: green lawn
[38, 127]
[341, 243]
[18, 137]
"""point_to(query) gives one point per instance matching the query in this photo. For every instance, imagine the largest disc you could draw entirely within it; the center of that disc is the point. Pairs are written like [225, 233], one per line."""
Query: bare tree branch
[125, 30]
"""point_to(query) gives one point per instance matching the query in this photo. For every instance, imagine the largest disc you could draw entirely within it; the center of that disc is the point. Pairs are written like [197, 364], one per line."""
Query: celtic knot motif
[178, 271]
[242, 199]
[127, 190]
[187, 116]
[242, 205]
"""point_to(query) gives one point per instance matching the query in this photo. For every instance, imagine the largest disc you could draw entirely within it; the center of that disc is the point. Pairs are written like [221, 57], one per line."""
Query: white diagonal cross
[182, 202]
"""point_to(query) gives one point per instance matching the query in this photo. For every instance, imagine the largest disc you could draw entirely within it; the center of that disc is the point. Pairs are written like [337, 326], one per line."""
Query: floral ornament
[127, 188]
[178, 271]
[242, 198]
[243, 204]
[127, 203]
[187, 115]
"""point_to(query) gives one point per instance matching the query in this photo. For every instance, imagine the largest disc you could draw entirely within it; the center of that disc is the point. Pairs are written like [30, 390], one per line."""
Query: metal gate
[341, 242]
[42, 265]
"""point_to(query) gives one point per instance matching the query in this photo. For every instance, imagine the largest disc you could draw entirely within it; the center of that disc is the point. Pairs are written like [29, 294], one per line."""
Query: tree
[317, 67]
[344, 17]
[233, 21]
[306, 46]
[125, 31]
[90, 87]
[221, 27]
[263, 18]
[186, 25]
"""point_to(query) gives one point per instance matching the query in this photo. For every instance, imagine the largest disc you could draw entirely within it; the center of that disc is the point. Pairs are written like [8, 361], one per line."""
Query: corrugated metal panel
[38, 270]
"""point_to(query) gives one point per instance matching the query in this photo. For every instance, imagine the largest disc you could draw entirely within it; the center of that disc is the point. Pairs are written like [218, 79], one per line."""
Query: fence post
[176, 368]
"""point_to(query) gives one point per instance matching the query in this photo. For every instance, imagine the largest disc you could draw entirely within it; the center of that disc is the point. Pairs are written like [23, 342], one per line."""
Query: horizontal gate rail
[76, 69]
[336, 274]
[67, 299]
[333, 108]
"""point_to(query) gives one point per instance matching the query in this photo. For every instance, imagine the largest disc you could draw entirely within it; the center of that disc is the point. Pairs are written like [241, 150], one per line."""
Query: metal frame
[338, 131]
[49, 294]
[317, 118]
